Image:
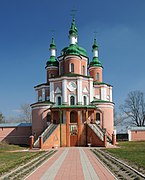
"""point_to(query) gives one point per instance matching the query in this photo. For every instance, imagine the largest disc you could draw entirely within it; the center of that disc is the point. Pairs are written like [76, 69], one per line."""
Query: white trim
[40, 87]
[104, 106]
[51, 67]
[53, 52]
[79, 91]
[40, 106]
[57, 91]
[103, 93]
[91, 90]
[43, 94]
[64, 91]
[71, 78]
[51, 91]
[111, 94]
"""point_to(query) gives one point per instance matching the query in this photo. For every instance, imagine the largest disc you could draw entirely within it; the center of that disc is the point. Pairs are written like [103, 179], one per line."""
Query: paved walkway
[72, 164]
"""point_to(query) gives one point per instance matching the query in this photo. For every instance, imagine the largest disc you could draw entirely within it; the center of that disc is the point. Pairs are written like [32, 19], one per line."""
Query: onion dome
[52, 60]
[73, 30]
[95, 61]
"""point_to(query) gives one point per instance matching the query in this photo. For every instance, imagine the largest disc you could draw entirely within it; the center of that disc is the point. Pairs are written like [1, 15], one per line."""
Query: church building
[74, 107]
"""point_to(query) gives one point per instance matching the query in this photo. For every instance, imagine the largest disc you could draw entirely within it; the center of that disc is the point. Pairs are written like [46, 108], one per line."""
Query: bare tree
[2, 118]
[134, 108]
[25, 113]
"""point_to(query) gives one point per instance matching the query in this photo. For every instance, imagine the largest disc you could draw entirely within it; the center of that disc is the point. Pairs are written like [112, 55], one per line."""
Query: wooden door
[73, 140]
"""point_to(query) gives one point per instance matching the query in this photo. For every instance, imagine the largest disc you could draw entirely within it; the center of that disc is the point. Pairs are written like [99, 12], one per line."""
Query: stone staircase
[45, 135]
[100, 132]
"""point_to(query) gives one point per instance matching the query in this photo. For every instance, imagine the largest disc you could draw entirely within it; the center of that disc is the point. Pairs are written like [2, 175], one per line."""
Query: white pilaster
[52, 91]
[110, 94]
[91, 90]
[79, 91]
[43, 94]
[64, 91]
[103, 93]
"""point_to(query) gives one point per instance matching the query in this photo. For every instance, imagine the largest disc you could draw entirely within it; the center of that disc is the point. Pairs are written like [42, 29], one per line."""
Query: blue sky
[25, 35]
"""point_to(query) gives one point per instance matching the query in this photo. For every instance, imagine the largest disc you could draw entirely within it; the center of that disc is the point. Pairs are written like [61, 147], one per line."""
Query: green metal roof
[73, 30]
[52, 45]
[95, 62]
[95, 46]
[52, 62]
[74, 49]
[100, 83]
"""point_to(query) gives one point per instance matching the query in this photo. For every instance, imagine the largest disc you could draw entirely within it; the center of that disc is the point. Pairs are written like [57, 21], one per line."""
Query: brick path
[72, 164]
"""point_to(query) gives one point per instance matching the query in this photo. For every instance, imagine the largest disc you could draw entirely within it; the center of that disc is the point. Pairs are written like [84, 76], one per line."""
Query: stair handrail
[53, 127]
[37, 140]
[98, 131]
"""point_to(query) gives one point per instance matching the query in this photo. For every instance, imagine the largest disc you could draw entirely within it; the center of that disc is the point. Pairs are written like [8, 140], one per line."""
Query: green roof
[74, 49]
[100, 101]
[100, 83]
[95, 62]
[73, 30]
[52, 62]
[52, 45]
[95, 46]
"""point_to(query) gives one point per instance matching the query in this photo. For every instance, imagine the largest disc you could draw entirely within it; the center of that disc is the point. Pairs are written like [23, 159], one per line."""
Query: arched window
[71, 67]
[85, 100]
[72, 100]
[48, 119]
[98, 118]
[73, 117]
[97, 76]
[83, 69]
[59, 100]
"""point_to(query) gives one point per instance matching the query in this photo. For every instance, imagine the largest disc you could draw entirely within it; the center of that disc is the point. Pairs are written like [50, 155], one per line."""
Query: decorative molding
[57, 91]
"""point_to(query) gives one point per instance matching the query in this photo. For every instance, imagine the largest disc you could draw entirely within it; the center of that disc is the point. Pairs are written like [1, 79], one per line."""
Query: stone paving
[72, 164]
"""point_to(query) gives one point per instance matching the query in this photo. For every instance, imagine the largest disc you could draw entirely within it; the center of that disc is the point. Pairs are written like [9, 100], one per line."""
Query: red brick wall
[93, 138]
[15, 135]
[138, 135]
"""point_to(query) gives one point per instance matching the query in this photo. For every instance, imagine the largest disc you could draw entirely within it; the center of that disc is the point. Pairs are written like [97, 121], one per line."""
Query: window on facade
[72, 67]
[85, 100]
[59, 100]
[83, 68]
[72, 100]
[98, 76]
[98, 118]
[73, 117]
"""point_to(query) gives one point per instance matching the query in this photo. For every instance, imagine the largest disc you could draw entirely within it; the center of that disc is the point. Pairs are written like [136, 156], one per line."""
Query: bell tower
[52, 64]
[95, 66]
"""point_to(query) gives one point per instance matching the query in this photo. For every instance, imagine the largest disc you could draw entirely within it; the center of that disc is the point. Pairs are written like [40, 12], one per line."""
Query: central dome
[74, 49]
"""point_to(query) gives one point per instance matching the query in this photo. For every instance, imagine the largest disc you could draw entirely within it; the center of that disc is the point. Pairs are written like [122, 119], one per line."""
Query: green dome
[95, 62]
[52, 45]
[75, 50]
[95, 46]
[73, 30]
[52, 62]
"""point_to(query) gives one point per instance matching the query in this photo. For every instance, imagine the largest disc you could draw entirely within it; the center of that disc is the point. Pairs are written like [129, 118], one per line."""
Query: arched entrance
[48, 119]
[73, 128]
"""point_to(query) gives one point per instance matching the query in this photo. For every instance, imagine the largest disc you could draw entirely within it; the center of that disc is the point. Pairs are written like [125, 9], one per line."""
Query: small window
[72, 67]
[98, 76]
[59, 100]
[85, 100]
[98, 118]
[83, 69]
[72, 100]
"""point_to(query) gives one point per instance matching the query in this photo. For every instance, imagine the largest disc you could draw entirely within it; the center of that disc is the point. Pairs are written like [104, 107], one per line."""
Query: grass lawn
[10, 159]
[132, 152]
